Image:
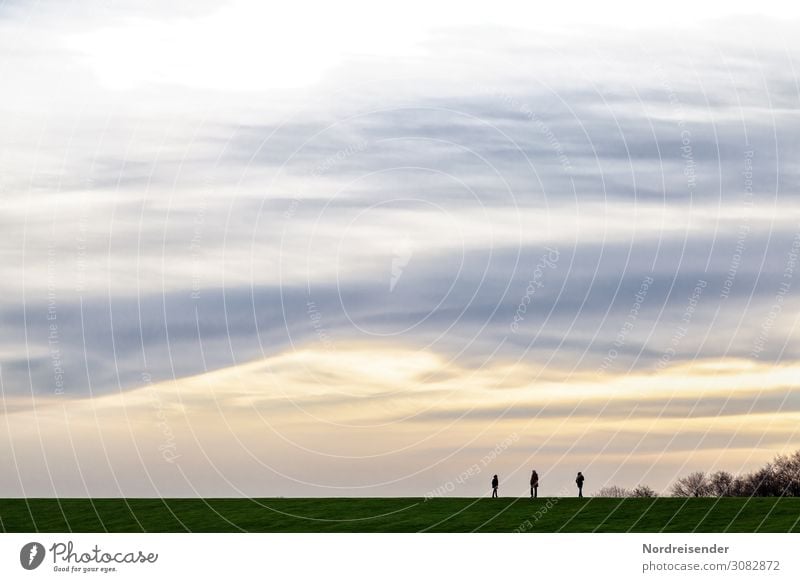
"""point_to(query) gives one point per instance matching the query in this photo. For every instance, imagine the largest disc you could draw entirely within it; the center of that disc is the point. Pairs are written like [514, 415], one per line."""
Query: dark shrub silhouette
[643, 491]
[720, 483]
[786, 471]
[613, 491]
[620, 492]
[778, 478]
[693, 485]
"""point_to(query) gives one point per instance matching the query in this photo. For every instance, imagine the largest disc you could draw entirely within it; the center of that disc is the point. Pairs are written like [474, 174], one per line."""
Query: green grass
[401, 515]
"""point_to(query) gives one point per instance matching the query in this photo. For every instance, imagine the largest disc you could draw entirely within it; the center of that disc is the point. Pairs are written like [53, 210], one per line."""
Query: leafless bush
[643, 491]
[693, 485]
[720, 483]
[778, 478]
[613, 491]
[620, 492]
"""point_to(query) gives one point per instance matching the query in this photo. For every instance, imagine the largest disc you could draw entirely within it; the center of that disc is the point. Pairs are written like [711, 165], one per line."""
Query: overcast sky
[306, 251]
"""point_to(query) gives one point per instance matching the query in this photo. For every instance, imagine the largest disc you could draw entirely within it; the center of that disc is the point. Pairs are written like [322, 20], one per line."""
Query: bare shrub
[613, 491]
[720, 484]
[693, 485]
[778, 478]
[643, 491]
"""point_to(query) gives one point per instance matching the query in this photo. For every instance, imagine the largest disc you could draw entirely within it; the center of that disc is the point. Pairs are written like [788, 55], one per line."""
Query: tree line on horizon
[778, 478]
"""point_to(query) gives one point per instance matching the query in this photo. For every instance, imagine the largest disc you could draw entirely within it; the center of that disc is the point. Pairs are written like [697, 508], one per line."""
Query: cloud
[360, 407]
[176, 215]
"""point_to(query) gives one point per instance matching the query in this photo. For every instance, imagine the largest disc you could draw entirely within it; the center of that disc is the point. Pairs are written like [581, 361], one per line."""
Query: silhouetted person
[579, 483]
[495, 484]
[534, 484]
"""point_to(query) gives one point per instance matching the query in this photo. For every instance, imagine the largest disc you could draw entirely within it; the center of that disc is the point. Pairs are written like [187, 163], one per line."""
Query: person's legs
[531, 491]
[536, 491]
[494, 493]
[580, 491]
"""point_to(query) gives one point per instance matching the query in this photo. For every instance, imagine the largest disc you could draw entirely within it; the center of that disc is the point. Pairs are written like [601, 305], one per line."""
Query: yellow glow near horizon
[385, 410]
[424, 379]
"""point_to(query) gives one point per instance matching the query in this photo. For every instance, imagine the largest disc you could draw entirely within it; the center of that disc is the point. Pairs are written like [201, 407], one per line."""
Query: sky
[347, 249]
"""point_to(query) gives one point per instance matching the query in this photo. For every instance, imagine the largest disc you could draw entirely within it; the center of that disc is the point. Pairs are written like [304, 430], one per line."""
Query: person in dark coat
[534, 484]
[579, 483]
[495, 484]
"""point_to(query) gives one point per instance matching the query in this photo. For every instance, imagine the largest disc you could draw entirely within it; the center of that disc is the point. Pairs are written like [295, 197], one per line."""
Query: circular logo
[31, 555]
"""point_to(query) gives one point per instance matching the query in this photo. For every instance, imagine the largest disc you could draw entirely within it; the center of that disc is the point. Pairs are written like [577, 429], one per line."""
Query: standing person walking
[579, 483]
[534, 484]
[495, 484]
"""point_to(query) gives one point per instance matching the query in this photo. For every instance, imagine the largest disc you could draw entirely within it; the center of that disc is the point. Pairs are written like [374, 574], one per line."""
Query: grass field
[401, 515]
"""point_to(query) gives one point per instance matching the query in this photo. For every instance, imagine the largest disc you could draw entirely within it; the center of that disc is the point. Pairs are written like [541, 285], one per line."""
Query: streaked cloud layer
[314, 422]
[349, 251]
